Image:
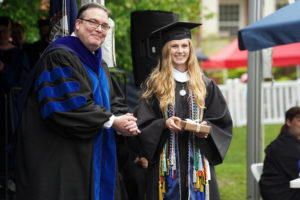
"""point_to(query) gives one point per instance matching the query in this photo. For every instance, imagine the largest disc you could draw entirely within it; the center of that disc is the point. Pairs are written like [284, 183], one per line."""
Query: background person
[281, 161]
[66, 147]
[12, 59]
[181, 163]
[36, 49]
[18, 36]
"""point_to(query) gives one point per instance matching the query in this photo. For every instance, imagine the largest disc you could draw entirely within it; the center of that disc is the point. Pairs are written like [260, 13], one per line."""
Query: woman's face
[294, 126]
[180, 51]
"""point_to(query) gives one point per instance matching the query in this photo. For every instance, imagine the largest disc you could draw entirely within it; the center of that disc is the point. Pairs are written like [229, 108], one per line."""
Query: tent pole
[254, 126]
[298, 71]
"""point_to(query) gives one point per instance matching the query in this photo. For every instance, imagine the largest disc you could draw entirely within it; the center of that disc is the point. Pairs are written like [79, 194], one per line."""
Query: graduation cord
[198, 166]
[200, 163]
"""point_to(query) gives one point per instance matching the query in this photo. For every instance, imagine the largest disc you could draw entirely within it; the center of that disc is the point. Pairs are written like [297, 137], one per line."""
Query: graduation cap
[174, 31]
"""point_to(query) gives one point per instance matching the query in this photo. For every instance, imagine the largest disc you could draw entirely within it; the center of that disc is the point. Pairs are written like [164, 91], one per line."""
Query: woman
[181, 163]
[281, 164]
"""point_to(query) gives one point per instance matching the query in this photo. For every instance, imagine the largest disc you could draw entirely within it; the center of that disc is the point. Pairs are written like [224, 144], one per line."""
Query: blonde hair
[161, 82]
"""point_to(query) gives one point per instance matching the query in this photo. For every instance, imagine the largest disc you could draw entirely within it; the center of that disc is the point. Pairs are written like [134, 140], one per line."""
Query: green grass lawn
[232, 173]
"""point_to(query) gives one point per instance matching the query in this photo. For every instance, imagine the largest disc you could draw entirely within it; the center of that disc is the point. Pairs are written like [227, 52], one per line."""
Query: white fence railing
[277, 97]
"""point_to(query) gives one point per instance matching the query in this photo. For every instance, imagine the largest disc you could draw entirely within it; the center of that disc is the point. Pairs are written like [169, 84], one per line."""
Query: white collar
[180, 76]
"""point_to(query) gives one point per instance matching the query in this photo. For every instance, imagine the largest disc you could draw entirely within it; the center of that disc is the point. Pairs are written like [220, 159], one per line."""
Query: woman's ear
[288, 122]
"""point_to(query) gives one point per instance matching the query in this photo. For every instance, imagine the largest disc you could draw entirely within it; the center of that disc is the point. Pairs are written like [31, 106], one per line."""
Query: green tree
[188, 10]
[25, 12]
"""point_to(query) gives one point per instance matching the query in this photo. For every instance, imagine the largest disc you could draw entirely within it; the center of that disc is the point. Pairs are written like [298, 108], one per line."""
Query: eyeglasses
[95, 25]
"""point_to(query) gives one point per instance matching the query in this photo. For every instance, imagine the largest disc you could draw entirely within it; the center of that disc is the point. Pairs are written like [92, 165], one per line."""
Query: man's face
[91, 37]
[44, 32]
[18, 35]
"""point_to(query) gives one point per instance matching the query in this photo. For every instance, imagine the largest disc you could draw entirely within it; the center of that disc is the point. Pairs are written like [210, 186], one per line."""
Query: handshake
[126, 125]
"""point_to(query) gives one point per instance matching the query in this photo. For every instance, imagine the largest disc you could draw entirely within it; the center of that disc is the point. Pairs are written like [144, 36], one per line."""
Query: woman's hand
[201, 134]
[173, 124]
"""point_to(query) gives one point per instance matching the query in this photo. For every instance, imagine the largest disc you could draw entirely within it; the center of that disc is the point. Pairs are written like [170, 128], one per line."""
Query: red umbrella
[230, 56]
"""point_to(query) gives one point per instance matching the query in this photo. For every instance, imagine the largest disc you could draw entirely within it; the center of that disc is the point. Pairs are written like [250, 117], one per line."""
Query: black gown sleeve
[153, 131]
[217, 115]
[84, 119]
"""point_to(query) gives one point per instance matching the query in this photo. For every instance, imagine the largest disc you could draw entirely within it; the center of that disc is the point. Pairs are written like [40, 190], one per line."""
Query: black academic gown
[13, 64]
[133, 174]
[154, 135]
[54, 158]
[280, 167]
[11, 76]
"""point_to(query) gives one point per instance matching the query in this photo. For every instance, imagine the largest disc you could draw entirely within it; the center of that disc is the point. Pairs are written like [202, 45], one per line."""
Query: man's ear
[77, 22]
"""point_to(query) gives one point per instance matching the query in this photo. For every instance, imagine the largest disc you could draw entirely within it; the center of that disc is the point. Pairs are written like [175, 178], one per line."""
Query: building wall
[210, 25]
[213, 25]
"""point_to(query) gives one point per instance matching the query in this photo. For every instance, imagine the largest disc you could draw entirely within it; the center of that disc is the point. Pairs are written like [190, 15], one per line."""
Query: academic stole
[198, 165]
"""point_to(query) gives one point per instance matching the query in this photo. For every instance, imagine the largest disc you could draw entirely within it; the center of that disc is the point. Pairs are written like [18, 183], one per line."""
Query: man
[66, 147]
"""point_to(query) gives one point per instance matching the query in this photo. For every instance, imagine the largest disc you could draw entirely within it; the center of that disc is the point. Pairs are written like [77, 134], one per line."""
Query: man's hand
[126, 124]
[173, 124]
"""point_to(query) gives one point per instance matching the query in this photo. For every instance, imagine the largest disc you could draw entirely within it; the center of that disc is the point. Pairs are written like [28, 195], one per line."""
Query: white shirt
[180, 76]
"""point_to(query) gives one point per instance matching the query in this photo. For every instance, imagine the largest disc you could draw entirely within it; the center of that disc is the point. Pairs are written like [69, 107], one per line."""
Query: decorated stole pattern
[198, 166]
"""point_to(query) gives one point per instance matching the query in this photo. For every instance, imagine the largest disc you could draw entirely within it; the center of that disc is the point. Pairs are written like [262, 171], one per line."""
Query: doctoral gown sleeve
[65, 96]
[153, 131]
[218, 117]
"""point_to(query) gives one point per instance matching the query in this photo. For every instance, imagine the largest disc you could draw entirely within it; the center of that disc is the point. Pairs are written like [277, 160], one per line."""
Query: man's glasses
[95, 25]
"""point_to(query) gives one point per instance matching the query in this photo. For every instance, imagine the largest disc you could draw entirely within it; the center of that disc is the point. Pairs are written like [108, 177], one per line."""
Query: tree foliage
[188, 10]
[25, 12]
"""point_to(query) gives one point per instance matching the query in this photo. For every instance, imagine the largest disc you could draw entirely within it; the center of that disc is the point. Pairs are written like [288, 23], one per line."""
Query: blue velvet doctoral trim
[92, 60]
[108, 165]
[58, 91]
[104, 145]
[53, 75]
[62, 106]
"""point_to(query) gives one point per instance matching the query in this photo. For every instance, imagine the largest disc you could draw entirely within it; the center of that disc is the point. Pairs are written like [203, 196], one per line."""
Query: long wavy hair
[161, 82]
